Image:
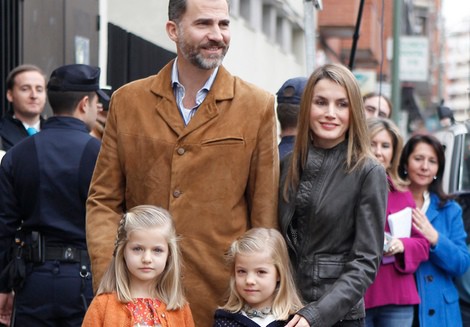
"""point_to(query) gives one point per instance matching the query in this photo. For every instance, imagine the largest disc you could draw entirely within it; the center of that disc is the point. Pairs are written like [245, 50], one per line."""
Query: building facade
[127, 39]
[457, 67]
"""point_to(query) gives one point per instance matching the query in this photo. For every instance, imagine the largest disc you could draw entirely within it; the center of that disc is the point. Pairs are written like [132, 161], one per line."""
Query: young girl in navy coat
[262, 289]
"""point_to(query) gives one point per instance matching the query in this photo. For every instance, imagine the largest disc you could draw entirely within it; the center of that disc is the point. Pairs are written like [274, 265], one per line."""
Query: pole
[396, 85]
[310, 38]
[356, 35]
[441, 41]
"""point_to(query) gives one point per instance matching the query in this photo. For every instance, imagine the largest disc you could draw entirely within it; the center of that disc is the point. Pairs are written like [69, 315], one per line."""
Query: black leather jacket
[334, 227]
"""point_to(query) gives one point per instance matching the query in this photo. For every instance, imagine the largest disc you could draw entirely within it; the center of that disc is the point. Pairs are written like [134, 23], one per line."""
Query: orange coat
[106, 311]
[218, 176]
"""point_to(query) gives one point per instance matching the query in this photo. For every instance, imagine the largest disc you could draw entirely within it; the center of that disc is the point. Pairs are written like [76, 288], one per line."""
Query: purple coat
[395, 283]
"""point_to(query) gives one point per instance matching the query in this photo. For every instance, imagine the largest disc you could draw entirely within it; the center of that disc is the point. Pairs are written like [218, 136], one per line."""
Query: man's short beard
[206, 63]
[197, 59]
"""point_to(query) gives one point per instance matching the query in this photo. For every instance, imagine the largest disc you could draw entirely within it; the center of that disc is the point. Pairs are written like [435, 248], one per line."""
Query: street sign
[414, 59]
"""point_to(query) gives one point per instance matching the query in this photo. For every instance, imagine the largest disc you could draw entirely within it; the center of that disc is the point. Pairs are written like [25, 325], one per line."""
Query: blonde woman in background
[390, 299]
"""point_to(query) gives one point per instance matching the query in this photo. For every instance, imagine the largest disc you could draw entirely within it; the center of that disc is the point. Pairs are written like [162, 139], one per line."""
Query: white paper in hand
[400, 223]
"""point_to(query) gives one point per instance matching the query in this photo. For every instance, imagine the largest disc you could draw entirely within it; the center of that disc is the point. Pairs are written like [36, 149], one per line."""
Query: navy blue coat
[44, 181]
[12, 131]
[223, 318]
[449, 258]
[286, 146]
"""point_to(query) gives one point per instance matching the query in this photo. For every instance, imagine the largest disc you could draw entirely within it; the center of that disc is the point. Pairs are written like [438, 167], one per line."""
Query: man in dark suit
[26, 91]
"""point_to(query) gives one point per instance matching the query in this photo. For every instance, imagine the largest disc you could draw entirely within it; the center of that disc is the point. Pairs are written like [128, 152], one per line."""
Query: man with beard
[195, 140]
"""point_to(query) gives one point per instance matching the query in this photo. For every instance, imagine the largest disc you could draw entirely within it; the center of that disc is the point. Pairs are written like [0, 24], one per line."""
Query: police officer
[287, 110]
[44, 183]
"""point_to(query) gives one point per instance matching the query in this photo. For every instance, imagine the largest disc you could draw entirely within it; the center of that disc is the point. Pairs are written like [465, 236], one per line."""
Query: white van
[456, 140]
[456, 180]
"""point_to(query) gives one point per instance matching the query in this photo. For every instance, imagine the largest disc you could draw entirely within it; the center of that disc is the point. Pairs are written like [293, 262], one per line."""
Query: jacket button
[176, 193]
[431, 312]
[181, 151]
[429, 278]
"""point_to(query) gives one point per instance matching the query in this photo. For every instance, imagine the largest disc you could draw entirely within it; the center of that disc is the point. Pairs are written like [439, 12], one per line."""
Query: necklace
[256, 313]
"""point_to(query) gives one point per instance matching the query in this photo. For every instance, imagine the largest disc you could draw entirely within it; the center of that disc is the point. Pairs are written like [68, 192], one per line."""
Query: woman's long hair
[357, 137]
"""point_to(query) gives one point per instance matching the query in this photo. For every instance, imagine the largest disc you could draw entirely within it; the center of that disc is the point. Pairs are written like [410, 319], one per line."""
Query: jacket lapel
[432, 211]
[207, 111]
[166, 105]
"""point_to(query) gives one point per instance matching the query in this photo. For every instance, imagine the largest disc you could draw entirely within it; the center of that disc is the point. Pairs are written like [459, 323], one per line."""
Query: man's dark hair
[177, 8]
[66, 102]
[10, 82]
[287, 114]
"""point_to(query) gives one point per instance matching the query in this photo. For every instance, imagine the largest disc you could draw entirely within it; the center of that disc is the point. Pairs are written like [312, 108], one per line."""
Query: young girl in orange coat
[142, 286]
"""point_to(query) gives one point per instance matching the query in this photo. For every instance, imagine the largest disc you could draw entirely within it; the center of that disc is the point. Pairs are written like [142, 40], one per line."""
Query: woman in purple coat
[390, 299]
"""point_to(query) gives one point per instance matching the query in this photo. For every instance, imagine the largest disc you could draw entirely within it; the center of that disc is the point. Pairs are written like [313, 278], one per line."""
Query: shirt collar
[426, 202]
[37, 125]
[174, 77]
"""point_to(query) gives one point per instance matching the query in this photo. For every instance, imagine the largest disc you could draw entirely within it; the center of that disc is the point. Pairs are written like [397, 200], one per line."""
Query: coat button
[430, 278]
[176, 193]
[181, 151]
[431, 312]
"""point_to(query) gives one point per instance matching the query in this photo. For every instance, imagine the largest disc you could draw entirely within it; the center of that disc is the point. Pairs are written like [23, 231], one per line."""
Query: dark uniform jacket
[12, 131]
[44, 181]
[334, 227]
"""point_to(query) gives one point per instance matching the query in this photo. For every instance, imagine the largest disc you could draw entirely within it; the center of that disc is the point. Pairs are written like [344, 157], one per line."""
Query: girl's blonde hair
[286, 300]
[377, 125]
[356, 135]
[168, 286]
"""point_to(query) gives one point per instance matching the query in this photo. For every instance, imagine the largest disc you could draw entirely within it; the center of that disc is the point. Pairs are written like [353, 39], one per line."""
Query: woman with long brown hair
[332, 202]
